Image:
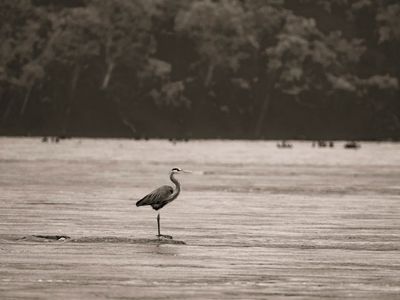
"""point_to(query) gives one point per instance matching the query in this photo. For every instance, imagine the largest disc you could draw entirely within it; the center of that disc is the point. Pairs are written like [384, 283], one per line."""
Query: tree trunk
[130, 125]
[268, 94]
[26, 99]
[8, 110]
[261, 116]
[74, 82]
[209, 76]
[107, 77]
[7, 103]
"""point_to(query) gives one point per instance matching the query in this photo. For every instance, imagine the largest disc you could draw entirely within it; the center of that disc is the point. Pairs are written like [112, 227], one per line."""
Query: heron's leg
[158, 225]
[159, 233]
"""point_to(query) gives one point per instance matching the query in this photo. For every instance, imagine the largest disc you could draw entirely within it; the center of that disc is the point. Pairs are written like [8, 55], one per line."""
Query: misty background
[272, 69]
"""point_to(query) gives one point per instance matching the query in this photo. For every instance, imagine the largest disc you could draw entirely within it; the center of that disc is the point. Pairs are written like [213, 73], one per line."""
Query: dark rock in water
[284, 144]
[52, 237]
[42, 238]
[352, 145]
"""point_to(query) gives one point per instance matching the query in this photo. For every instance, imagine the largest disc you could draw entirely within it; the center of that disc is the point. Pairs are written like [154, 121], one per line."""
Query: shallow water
[258, 221]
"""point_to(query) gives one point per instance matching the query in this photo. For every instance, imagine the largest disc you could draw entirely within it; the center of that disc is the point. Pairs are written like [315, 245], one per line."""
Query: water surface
[258, 222]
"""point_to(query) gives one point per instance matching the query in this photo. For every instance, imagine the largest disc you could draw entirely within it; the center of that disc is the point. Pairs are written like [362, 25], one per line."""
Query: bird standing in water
[160, 197]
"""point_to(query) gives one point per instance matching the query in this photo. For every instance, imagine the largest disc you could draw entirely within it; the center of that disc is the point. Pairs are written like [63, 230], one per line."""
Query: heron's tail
[141, 202]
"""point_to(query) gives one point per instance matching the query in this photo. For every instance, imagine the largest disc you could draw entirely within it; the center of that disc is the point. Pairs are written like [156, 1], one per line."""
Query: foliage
[388, 18]
[226, 57]
[21, 59]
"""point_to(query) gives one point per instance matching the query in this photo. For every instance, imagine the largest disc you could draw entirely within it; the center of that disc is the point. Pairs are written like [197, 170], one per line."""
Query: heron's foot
[160, 236]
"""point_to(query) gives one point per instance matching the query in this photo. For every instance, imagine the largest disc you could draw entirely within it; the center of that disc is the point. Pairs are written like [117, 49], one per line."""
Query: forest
[183, 69]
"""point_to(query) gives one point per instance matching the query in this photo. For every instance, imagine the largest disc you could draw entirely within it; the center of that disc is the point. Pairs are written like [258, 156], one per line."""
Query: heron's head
[178, 170]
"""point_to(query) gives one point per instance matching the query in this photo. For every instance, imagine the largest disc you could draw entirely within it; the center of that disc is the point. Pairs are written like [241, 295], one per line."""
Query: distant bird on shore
[160, 197]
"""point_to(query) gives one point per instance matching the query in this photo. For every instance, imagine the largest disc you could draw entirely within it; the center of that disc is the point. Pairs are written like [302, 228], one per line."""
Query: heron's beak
[185, 171]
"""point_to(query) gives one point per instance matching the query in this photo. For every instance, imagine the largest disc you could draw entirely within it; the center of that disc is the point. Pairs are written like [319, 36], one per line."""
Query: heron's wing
[157, 196]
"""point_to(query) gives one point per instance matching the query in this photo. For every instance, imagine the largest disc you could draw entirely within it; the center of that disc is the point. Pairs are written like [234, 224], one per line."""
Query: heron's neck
[176, 182]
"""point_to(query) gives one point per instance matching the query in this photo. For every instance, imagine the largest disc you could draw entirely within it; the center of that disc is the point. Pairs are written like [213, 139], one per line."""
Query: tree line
[201, 68]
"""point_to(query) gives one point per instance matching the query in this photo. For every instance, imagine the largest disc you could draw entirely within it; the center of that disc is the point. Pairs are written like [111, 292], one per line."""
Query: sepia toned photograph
[199, 149]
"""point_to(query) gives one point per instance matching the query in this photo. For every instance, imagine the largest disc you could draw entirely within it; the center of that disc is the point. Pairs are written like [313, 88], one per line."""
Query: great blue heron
[162, 196]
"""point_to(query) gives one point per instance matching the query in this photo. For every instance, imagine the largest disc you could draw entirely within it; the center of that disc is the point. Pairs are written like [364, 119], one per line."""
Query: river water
[257, 221]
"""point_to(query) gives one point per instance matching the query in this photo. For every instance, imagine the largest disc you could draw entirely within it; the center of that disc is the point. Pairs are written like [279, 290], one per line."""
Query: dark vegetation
[314, 69]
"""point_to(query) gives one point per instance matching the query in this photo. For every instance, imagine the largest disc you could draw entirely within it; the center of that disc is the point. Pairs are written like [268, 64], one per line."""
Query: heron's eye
[175, 169]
